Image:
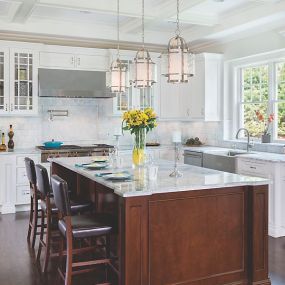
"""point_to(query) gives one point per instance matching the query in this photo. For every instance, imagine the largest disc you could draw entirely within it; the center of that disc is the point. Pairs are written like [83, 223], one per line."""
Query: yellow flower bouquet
[139, 123]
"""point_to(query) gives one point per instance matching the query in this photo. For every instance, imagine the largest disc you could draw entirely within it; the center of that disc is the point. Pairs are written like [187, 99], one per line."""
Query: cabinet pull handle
[252, 167]
[78, 61]
[6, 107]
[12, 107]
[72, 60]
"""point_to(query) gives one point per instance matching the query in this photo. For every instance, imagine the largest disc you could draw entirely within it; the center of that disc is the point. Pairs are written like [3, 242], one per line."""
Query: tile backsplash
[91, 120]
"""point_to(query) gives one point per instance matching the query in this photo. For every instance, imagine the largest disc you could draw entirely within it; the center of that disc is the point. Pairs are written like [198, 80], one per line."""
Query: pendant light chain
[143, 23]
[118, 28]
[177, 20]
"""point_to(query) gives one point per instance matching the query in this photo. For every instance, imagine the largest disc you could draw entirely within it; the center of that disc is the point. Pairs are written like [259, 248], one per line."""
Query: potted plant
[139, 123]
[266, 120]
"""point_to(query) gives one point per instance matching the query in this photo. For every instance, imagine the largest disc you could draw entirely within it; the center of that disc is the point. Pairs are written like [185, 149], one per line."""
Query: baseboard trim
[276, 232]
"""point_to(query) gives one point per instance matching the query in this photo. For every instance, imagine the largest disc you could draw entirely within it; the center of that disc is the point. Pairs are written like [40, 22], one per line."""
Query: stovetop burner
[72, 147]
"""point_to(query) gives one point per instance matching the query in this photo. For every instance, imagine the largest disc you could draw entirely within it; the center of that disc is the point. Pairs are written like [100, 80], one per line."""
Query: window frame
[272, 94]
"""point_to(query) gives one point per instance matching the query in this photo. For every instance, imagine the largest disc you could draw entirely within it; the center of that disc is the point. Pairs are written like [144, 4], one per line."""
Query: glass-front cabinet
[23, 81]
[4, 81]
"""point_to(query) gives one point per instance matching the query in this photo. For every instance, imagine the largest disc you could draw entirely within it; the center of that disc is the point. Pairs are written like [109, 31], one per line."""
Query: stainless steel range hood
[73, 84]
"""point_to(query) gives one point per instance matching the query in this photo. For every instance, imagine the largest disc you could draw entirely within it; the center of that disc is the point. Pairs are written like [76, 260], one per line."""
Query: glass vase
[139, 148]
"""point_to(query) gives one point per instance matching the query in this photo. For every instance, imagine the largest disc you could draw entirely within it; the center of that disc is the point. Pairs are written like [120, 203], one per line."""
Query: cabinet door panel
[4, 81]
[169, 99]
[92, 62]
[23, 82]
[52, 59]
[197, 92]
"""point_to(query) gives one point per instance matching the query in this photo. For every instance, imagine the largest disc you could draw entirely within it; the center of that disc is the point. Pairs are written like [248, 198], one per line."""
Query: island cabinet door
[202, 237]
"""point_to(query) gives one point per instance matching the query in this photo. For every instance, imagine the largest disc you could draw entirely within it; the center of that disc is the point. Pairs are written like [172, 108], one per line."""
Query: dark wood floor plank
[17, 261]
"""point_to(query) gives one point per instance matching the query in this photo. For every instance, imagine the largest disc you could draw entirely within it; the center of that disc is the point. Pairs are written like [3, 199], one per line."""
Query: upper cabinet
[23, 81]
[198, 100]
[63, 60]
[18, 82]
[4, 81]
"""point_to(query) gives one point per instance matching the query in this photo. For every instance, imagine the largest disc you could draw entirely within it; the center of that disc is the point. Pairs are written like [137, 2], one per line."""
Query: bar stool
[34, 211]
[50, 212]
[80, 228]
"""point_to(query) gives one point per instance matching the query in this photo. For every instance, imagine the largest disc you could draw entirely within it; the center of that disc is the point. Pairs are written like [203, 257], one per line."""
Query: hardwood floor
[17, 262]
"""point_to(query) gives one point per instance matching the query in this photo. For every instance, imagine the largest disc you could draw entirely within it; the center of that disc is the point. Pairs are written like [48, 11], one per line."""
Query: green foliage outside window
[255, 97]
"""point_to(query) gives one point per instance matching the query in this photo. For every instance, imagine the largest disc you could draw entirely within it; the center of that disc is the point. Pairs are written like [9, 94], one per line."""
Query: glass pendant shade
[143, 70]
[118, 80]
[178, 64]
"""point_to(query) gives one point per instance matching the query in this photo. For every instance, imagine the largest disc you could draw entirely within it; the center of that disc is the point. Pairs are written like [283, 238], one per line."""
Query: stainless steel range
[74, 151]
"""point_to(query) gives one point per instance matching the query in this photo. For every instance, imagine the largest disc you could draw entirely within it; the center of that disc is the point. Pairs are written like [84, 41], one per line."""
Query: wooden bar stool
[50, 213]
[35, 196]
[80, 228]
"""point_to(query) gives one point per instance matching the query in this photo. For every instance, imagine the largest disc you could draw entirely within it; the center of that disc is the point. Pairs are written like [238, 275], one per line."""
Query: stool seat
[84, 226]
[76, 207]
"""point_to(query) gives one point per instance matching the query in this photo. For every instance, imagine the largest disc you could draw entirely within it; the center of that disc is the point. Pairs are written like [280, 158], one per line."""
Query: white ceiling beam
[239, 21]
[24, 11]
[163, 12]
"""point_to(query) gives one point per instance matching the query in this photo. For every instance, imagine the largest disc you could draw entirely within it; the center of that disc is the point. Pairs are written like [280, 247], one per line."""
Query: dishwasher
[193, 158]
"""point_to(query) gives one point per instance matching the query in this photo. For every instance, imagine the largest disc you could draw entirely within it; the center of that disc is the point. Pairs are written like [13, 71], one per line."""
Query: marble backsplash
[91, 120]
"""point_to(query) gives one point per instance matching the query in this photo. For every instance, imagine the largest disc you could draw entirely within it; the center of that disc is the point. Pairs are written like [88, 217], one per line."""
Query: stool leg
[48, 240]
[41, 235]
[31, 218]
[60, 255]
[35, 220]
[69, 250]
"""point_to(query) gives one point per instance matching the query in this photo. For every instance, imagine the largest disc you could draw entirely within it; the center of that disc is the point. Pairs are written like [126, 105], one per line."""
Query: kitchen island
[207, 228]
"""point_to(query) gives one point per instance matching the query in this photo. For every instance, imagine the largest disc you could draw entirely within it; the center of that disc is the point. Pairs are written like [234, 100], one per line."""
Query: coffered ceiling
[202, 21]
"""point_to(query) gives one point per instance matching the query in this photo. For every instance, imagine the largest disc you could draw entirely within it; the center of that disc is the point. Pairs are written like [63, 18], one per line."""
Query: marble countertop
[21, 151]
[265, 156]
[194, 178]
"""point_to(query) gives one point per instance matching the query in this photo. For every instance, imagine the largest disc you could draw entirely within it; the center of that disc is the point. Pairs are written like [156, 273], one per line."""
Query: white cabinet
[7, 183]
[4, 81]
[23, 82]
[70, 60]
[53, 59]
[14, 185]
[270, 170]
[200, 98]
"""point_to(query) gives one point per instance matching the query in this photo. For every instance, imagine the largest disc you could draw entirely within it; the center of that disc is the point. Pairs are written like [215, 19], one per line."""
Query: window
[254, 96]
[280, 100]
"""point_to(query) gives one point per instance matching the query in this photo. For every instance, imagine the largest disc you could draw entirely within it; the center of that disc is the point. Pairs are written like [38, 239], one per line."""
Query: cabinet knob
[78, 61]
[6, 107]
[72, 60]
[12, 107]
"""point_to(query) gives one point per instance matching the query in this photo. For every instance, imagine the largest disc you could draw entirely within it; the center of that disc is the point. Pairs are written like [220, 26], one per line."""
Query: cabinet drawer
[21, 175]
[21, 159]
[22, 194]
[249, 167]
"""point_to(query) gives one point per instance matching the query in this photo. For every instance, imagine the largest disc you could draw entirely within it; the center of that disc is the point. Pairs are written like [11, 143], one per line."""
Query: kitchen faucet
[249, 145]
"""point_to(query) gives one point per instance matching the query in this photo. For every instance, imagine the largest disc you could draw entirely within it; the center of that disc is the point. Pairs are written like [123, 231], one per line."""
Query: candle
[176, 137]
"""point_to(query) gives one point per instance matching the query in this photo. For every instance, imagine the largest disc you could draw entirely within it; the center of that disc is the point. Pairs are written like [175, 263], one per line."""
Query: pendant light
[143, 68]
[178, 64]
[118, 80]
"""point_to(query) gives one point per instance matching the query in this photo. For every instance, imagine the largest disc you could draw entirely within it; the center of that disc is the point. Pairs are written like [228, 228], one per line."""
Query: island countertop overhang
[194, 178]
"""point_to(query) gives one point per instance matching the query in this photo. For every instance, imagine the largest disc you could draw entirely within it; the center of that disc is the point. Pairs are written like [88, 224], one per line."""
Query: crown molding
[76, 41]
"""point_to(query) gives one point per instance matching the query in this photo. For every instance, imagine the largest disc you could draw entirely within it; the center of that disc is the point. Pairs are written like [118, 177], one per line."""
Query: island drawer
[23, 194]
[22, 176]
